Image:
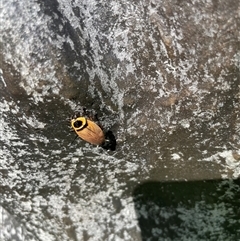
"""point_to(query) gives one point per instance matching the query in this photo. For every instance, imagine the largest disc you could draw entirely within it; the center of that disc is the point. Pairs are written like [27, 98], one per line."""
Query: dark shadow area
[110, 141]
[196, 210]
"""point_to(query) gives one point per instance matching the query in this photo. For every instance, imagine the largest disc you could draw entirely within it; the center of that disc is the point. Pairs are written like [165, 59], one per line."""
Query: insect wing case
[91, 133]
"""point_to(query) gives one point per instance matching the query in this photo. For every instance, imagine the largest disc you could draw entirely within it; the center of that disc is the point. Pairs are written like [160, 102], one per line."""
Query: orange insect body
[88, 130]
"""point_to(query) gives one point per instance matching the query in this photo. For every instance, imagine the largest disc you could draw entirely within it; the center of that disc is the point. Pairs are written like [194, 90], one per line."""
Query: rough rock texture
[164, 76]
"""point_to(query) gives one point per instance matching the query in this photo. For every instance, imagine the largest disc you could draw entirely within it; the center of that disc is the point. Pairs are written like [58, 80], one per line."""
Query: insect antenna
[73, 140]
